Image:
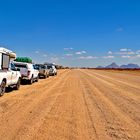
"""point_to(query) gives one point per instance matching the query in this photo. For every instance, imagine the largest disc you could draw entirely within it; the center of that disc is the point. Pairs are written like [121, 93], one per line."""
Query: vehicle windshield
[49, 67]
[40, 67]
[36, 67]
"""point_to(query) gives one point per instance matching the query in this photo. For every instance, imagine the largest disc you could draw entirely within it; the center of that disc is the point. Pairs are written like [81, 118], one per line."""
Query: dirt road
[75, 105]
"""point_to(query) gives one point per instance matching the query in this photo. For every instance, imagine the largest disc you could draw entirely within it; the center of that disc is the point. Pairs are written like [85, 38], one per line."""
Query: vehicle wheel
[2, 88]
[45, 76]
[18, 84]
[37, 78]
[31, 80]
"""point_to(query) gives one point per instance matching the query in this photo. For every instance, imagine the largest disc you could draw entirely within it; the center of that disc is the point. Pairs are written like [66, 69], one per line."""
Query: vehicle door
[9, 76]
[14, 78]
[36, 72]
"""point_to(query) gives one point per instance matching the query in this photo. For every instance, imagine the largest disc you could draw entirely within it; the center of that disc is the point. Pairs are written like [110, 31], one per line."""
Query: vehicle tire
[2, 88]
[18, 84]
[37, 78]
[31, 80]
[45, 76]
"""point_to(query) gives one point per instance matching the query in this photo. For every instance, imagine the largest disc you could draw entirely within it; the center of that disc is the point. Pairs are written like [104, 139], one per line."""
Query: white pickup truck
[28, 71]
[9, 75]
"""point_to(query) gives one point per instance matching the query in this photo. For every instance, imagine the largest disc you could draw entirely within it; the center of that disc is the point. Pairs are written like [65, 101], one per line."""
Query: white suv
[28, 71]
[9, 78]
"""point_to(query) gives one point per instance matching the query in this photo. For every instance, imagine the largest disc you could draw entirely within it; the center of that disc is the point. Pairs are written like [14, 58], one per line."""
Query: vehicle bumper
[41, 74]
[51, 73]
[25, 78]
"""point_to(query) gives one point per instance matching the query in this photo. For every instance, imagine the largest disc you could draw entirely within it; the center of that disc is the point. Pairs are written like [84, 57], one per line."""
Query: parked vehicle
[43, 70]
[28, 71]
[52, 70]
[9, 75]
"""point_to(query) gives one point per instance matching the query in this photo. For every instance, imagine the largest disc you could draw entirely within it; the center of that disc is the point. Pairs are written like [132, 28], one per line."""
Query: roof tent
[23, 59]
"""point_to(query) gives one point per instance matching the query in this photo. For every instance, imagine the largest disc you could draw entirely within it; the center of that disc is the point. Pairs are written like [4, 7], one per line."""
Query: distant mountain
[113, 65]
[130, 66]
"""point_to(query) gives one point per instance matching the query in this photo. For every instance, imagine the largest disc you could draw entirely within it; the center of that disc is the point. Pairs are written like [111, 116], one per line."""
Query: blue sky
[70, 32]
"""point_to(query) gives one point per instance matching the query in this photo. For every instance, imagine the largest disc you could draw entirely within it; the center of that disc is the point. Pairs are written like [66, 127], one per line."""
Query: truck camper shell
[5, 57]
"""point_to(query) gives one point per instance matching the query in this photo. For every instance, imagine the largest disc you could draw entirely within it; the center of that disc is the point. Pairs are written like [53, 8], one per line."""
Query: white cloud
[131, 52]
[124, 50]
[109, 57]
[83, 52]
[126, 53]
[126, 56]
[69, 54]
[110, 52]
[80, 52]
[88, 57]
[134, 56]
[67, 49]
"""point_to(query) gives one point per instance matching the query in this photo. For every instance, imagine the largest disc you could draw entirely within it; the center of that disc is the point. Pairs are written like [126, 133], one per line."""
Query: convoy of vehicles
[13, 70]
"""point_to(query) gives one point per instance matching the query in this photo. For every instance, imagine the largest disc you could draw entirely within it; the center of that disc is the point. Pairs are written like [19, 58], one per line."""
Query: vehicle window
[43, 67]
[20, 66]
[37, 67]
[5, 61]
[49, 67]
[12, 66]
[34, 66]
